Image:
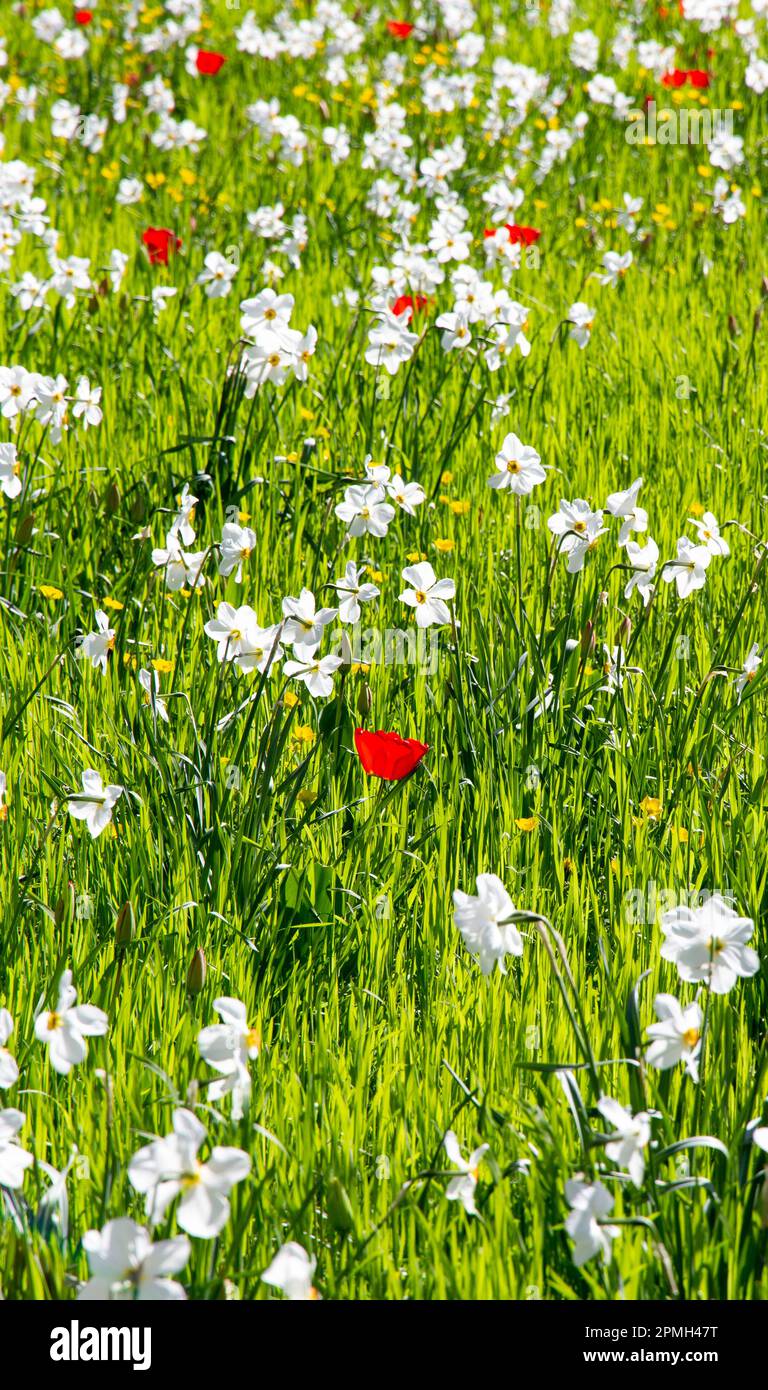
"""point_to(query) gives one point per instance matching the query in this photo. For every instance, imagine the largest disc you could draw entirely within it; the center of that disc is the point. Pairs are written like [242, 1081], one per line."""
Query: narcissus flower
[484, 925]
[709, 944]
[95, 803]
[519, 468]
[96, 646]
[14, 1160]
[677, 1035]
[462, 1188]
[159, 241]
[351, 592]
[291, 1272]
[65, 1028]
[387, 755]
[126, 1265]
[749, 670]
[633, 1136]
[428, 594]
[169, 1168]
[9, 1069]
[590, 1203]
[689, 569]
[228, 1047]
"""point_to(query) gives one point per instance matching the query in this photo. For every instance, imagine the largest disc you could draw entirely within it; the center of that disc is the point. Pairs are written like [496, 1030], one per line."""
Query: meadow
[595, 720]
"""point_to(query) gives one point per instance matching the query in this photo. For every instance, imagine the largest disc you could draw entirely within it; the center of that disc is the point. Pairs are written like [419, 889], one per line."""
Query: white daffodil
[315, 671]
[10, 471]
[228, 1047]
[96, 646]
[237, 545]
[169, 1168]
[633, 1137]
[292, 1271]
[519, 468]
[126, 1265]
[351, 593]
[709, 944]
[677, 1035]
[304, 623]
[14, 1160]
[9, 1069]
[65, 1028]
[484, 925]
[581, 318]
[427, 595]
[590, 1204]
[643, 560]
[150, 684]
[462, 1188]
[615, 267]
[709, 534]
[95, 803]
[365, 510]
[407, 496]
[624, 505]
[689, 570]
[749, 670]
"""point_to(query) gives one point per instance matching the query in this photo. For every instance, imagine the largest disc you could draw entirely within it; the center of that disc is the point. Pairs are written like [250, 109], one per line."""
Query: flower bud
[125, 925]
[364, 700]
[24, 529]
[338, 1206]
[112, 499]
[624, 633]
[587, 639]
[197, 972]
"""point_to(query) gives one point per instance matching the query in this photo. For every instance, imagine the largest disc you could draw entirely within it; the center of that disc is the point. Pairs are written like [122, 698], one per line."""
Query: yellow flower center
[691, 1037]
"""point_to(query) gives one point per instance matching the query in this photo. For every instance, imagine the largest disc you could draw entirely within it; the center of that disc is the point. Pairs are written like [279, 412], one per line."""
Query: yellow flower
[527, 823]
[459, 507]
[378, 576]
[307, 795]
[680, 834]
[306, 414]
[703, 171]
[651, 807]
[615, 867]
[303, 733]
[359, 666]
[444, 545]
[188, 176]
[414, 557]
[50, 591]
[446, 478]
[580, 222]
[112, 603]
[289, 699]
[156, 180]
[162, 666]
[696, 508]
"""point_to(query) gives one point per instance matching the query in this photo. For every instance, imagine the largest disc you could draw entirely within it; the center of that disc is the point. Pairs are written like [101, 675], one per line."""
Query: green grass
[379, 1032]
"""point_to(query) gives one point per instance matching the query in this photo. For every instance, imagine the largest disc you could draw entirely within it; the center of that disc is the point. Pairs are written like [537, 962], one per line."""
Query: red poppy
[414, 303]
[399, 28]
[209, 63]
[677, 78]
[698, 78]
[387, 755]
[159, 241]
[525, 236]
[83, 16]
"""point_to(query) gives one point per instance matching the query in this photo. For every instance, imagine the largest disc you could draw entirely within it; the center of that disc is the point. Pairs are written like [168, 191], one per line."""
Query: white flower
[315, 671]
[228, 1047]
[709, 944]
[726, 151]
[182, 567]
[240, 639]
[389, 342]
[86, 406]
[462, 1188]
[676, 1037]
[634, 1133]
[10, 469]
[292, 1271]
[456, 332]
[519, 468]
[96, 646]
[304, 624]
[749, 670]
[709, 534]
[624, 505]
[237, 544]
[408, 496]
[615, 266]
[428, 594]
[352, 593]
[580, 527]
[217, 275]
[483, 922]
[150, 684]
[65, 1028]
[125, 1264]
[169, 1168]
[643, 559]
[590, 1203]
[95, 803]
[581, 317]
[13, 1159]
[9, 1070]
[365, 510]
[689, 570]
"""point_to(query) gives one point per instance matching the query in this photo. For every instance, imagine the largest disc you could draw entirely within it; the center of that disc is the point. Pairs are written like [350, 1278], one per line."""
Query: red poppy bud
[83, 16]
[524, 236]
[387, 755]
[209, 63]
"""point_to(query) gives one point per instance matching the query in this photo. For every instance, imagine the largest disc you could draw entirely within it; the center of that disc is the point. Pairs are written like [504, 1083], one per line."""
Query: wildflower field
[383, 598]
